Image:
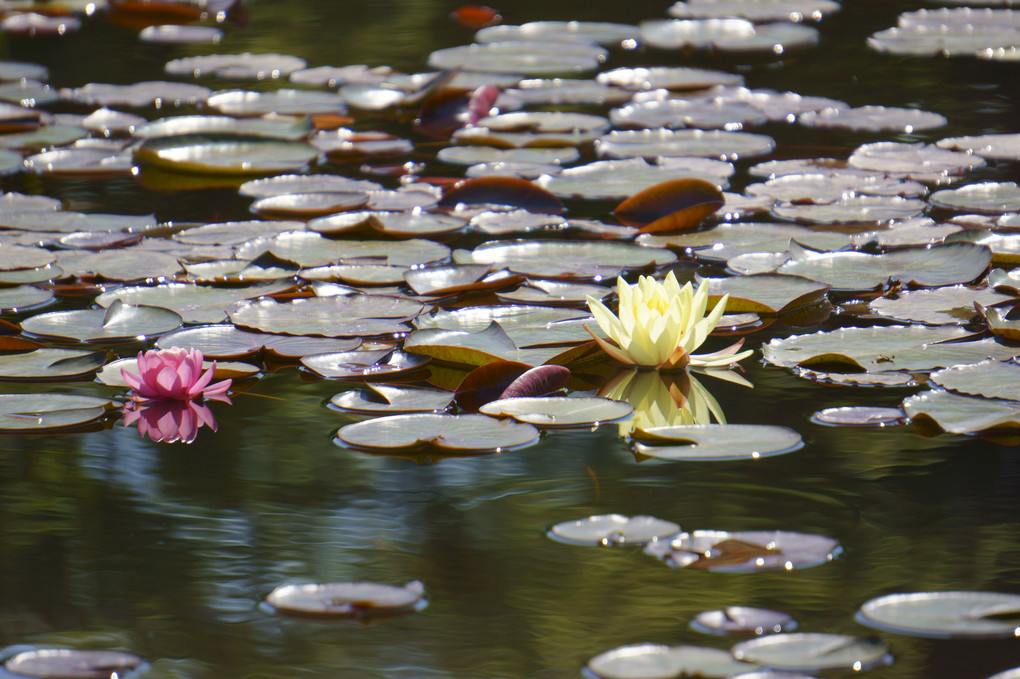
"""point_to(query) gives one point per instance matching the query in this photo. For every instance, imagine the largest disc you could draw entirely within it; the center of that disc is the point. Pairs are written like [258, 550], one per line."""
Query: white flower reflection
[666, 399]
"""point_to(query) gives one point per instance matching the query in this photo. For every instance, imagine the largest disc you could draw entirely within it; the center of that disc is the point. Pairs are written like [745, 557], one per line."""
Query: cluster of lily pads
[450, 298]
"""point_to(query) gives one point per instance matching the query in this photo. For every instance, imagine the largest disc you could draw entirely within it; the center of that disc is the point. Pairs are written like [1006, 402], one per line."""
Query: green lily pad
[658, 661]
[119, 322]
[743, 620]
[245, 103]
[547, 258]
[990, 198]
[41, 412]
[224, 125]
[68, 663]
[50, 364]
[457, 433]
[882, 349]
[767, 293]
[363, 364]
[235, 155]
[718, 144]
[521, 56]
[945, 615]
[310, 249]
[729, 240]
[194, 303]
[346, 599]
[386, 399]
[715, 441]
[23, 297]
[245, 66]
[613, 529]
[950, 305]
[227, 341]
[620, 179]
[811, 652]
[958, 414]
[939, 265]
[745, 551]
[340, 316]
[559, 411]
[463, 347]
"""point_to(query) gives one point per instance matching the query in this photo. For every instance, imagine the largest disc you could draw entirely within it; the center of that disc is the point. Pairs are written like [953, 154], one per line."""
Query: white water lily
[661, 324]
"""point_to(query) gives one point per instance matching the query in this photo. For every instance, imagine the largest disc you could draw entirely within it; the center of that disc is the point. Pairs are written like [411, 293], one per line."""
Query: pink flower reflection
[174, 374]
[169, 420]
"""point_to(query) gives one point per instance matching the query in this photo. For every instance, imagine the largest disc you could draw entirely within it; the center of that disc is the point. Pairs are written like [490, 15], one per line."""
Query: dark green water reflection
[110, 541]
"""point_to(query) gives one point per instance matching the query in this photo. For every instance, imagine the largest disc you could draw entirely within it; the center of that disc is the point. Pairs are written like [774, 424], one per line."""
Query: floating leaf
[537, 381]
[715, 441]
[672, 206]
[227, 341]
[657, 661]
[953, 615]
[860, 416]
[559, 411]
[67, 663]
[346, 599]
[450, 433]
[120, 322]
[985, 198]
[542, 258]
[613, 529]
[805, 652]
[503, 191]
[461, 346]
[236, 66]
[50, 364]
[488, 382]
[767, 293]
[936, 410]
[42, 412]
[950, 305]
[363, 364]
[340, 316]
[226, 155]
[376, 399]
[743, 620]
[745, 551]
[939, 265]
[525, 57]
[882, 349]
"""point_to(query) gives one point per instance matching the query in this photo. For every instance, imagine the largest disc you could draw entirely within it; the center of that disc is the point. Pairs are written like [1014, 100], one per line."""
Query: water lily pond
[618, 340]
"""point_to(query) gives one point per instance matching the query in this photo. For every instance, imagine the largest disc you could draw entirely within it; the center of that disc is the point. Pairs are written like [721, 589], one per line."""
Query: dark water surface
[111, 541]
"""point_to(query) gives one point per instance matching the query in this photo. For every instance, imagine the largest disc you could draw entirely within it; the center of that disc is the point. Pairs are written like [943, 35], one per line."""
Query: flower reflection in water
[665, 399]
[169, 420]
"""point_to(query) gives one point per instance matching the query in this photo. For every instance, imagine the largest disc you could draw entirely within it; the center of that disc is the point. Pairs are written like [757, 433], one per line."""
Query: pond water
[165, 550]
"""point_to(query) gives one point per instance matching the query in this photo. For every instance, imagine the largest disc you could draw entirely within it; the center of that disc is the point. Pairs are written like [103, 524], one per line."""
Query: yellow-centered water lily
[659, 325]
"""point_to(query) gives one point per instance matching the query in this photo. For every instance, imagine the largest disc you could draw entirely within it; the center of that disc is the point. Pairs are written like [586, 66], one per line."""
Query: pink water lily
[169, 420]
[174, 374]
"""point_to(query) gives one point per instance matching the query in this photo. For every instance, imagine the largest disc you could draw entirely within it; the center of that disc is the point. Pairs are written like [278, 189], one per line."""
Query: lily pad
[811, 652]
[745, 551]
[548, 258]
[860, 416]
[658, 661]
[451, 433]
[950, 305]
[22, 413]
[743, 620]
[227, 155]
[882, 349]
[939, 265]
[346, 599]
[67, 663]
[953, 615]
[50, 364]
[937, 410]
[117, 323]
[376, 399]
[227, 341]
[521, 56]
[767, 293]
[719, 144]
[245, 66]
[985, 198]
[613, 529]
[715, 441]
[363, 364]
[873, 119]
[340, 316]
[559, 411]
